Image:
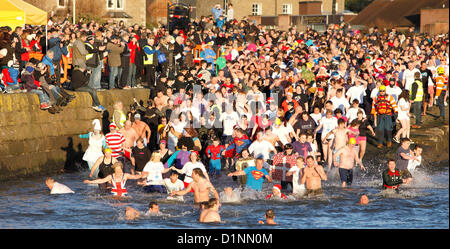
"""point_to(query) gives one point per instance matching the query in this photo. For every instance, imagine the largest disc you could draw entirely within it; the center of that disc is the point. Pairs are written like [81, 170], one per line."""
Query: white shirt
[177, 186]
[412, 164]
[59, 188]
[340, 103]
[356, 92]
[394, 91]
[154, 170]
[188, 167]
[402, 115]
[283, 132]
[408, 75]
[297, 188]
[328, 124]
[353, 113]
[316, 117]
[261, 148]
[229, 121]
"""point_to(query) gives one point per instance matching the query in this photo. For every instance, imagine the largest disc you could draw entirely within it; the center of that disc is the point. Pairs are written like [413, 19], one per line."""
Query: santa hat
[277, 186]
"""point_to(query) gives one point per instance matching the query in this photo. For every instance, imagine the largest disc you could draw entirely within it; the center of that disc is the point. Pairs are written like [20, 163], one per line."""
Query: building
[425, 15]
[126, 10]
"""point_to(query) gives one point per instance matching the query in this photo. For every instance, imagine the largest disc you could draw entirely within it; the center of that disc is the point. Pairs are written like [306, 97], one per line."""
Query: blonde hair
[117, 164]
[155, 154]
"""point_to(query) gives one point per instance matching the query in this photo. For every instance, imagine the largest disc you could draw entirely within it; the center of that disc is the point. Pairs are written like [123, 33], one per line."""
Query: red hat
[320, 89]
[277, 186]
[112, 125]
[195, 152]
[270, 99]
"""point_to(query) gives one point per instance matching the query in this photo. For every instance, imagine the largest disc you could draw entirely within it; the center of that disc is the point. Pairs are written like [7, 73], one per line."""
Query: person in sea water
[364, 200]
[131, 213]
[269, 216]
[118, 180]
[211, 213]
[201, 187]
[56, 187]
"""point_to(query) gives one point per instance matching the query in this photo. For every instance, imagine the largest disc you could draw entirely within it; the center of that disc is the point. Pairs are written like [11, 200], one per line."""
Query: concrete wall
[34, 141]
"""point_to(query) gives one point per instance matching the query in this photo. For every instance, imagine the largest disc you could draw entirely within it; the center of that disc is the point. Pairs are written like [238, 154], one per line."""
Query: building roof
[398, 13]
[116, 14]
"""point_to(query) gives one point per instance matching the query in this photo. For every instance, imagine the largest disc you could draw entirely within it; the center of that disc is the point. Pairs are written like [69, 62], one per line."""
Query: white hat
[96, 124]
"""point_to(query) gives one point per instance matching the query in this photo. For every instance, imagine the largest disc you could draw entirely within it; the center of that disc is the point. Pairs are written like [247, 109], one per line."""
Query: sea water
[26, 203]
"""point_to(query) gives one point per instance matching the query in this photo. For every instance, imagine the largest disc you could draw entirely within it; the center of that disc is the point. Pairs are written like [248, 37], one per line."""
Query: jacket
[79, 53]
[58, 52]
[114, 54]
[79, 79]
[47, 61]
[93, 59]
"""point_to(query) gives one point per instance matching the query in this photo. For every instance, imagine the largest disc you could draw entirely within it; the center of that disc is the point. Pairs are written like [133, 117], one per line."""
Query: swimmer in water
[131, 213]
[270, 216]
[211, 213]
[230, 195]
[201, 187]
[348, 158]
[276, 193]
[118, 180]
[364, 200]
[56, 187]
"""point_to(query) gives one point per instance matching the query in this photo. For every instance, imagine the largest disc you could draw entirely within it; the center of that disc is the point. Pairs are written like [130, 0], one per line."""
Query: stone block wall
[33, 141]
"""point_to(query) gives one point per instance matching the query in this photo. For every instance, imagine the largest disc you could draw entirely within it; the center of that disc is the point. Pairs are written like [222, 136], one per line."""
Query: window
[114, 4]
[287, 9]
[110, 4]
[61, 3]
[256, 9]
[119, 4]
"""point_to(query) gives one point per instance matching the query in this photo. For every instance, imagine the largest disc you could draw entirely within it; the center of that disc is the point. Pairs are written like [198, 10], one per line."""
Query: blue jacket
[216, 12]
[53, 44]
[47, 61]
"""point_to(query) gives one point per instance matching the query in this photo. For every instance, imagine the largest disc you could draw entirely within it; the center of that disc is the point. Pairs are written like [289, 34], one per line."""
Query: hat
[96, 124]
[277, 186]
[137, 116]
[320, 89]
[382, 88]
[352, 140]
[90, 38]
[108, 150]
[163, 142]
[112, 125]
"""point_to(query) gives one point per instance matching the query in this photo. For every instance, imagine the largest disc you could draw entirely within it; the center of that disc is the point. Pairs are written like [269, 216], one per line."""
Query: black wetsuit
[104, 171]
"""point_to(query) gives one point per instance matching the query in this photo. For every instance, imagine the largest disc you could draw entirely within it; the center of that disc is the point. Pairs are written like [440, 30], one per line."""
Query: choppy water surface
[424, 204]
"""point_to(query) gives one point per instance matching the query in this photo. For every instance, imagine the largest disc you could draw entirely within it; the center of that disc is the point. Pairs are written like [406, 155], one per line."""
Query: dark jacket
[391, 179]
[94, 61]
[79, 79]
[28, 81]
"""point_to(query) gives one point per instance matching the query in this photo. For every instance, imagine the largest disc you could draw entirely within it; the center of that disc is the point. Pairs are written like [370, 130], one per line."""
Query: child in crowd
[214, 152]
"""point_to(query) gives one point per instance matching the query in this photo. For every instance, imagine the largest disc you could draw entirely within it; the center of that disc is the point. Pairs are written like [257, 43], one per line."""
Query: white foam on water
[234, 198]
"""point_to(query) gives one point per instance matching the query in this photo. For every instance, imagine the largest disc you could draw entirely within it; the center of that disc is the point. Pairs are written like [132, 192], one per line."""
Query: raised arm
[99, 181]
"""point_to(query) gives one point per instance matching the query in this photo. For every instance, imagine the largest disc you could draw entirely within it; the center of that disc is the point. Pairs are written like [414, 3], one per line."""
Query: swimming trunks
[346, 175]
[314, 192]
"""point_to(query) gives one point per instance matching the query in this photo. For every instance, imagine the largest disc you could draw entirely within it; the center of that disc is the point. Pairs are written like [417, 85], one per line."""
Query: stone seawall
[33, 141]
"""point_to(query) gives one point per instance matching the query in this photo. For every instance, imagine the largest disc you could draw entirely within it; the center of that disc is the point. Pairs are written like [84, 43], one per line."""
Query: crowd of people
[231, 95]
